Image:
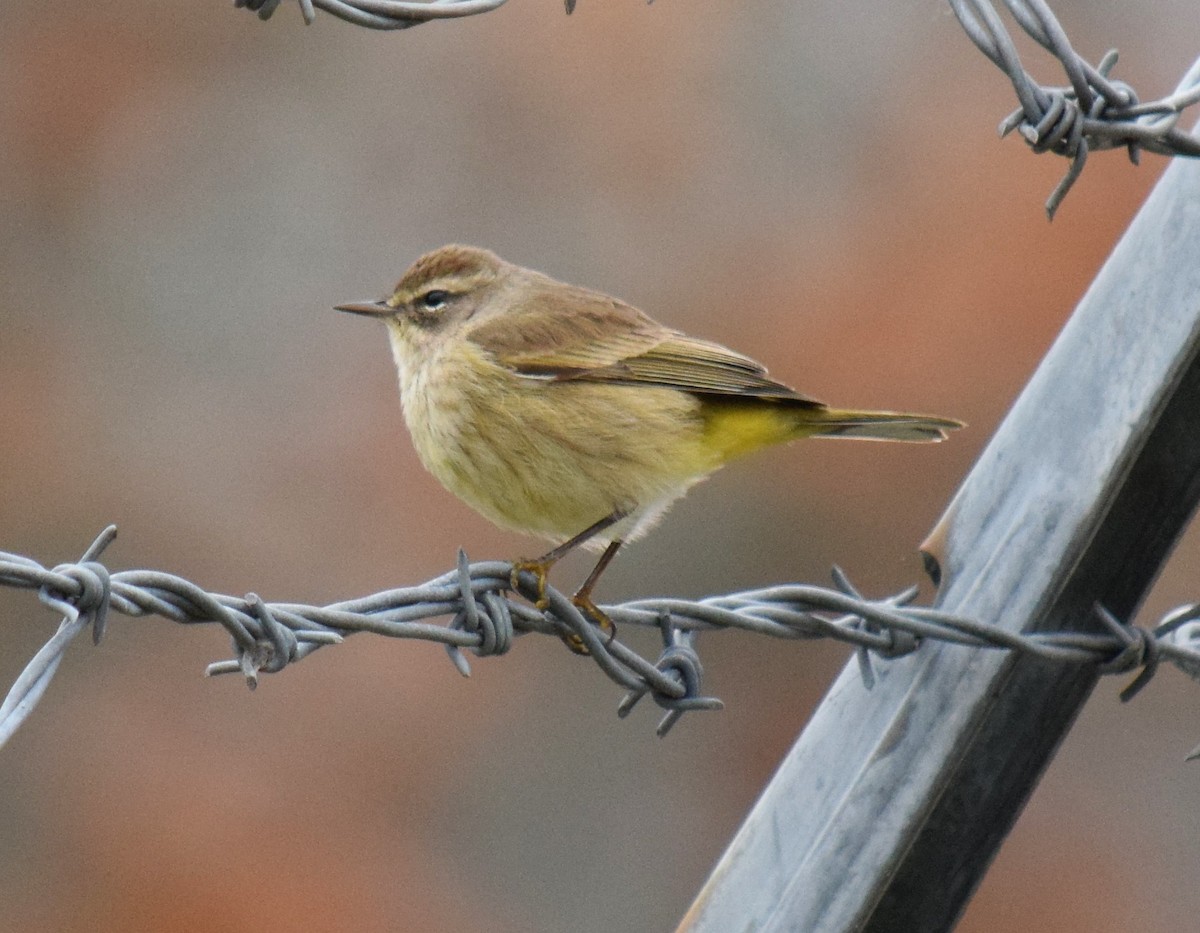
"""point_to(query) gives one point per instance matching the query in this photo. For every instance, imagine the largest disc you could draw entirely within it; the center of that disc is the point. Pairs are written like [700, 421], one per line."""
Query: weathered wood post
[894, 800]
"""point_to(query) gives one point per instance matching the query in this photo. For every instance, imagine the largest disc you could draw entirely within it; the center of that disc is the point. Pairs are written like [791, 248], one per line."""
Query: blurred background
[182, 200]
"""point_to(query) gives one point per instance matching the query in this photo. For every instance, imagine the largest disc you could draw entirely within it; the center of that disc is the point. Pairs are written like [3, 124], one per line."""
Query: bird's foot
[540, 570]
[595, 615]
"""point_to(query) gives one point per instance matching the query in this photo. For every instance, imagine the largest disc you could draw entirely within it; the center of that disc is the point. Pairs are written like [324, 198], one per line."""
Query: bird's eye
[432, 300]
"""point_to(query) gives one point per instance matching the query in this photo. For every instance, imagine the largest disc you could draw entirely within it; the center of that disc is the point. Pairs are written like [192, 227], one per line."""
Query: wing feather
[579, 335]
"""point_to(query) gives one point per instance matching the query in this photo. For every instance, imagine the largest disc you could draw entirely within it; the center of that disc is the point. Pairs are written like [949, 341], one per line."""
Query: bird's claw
[581, 600]
[595, 615]
[540, 571]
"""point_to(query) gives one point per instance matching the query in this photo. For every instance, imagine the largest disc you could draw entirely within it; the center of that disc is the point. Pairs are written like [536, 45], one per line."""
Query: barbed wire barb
[1092, 112]
[89, 603]
[485, 617]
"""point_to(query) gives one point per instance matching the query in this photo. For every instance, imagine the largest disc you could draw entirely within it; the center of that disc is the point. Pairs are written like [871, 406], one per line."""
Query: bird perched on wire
[569, 414]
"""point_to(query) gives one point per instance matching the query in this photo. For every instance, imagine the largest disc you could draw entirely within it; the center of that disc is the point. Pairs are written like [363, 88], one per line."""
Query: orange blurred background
[819, 185]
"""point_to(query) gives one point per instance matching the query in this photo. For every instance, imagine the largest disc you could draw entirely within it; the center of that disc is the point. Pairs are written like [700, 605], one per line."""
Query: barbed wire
[380, 14]
[384, 14]
[1093, 112]
[485, 619]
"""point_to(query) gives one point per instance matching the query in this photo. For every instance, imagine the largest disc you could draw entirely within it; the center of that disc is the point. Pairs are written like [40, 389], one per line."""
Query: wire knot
[682, 661]
[1139, 648]
[273, 648]
[93, 593]
[491, 622]
[899, 642]
[1059, 127]
[681, 667]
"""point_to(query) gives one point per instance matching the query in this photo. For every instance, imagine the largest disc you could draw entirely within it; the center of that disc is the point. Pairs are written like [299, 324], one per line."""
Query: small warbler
[565, 413]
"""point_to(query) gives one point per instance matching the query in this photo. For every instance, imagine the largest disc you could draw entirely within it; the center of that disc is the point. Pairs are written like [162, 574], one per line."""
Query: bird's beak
[369, 308]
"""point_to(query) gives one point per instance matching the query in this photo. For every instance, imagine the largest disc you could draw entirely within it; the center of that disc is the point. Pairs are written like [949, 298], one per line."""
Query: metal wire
[1092, 112]
[484, 618]
[380, 14]
[383, 14]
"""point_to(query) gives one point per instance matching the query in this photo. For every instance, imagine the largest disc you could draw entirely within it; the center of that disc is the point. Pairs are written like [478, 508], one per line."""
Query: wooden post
[892, 803]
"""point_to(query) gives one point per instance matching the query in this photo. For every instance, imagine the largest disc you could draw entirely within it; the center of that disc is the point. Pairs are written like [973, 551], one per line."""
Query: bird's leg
[583, 600]
[540, 568]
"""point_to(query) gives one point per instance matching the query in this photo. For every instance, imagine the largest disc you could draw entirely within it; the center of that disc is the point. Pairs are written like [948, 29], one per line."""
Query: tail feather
[873, 425]
[736, 427]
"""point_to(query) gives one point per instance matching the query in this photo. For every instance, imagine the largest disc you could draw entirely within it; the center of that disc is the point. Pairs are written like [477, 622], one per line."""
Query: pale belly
[553, 458]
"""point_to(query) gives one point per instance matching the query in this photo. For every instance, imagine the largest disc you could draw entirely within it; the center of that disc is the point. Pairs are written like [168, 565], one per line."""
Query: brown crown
[450, 262]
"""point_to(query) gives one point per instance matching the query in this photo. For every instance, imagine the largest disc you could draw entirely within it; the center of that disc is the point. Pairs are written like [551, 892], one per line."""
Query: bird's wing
[590, 337]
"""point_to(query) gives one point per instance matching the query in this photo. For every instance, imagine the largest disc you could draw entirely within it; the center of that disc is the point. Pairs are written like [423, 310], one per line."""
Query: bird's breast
[544, 457]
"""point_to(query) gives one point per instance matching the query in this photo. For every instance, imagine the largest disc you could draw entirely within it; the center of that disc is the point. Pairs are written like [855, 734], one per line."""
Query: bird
[571, 415]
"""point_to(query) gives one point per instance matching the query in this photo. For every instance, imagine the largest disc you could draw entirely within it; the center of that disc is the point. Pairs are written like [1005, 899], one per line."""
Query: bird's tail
[736, 427]
[872, 425]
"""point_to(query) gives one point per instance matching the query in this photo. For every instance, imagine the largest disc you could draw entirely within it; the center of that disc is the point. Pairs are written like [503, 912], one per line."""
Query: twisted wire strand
[378, 14]
[484, 619]
[1093, 111]
[383, 14]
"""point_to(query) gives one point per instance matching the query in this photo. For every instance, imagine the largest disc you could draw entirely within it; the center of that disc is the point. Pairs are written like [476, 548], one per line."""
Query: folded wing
[594, 338]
